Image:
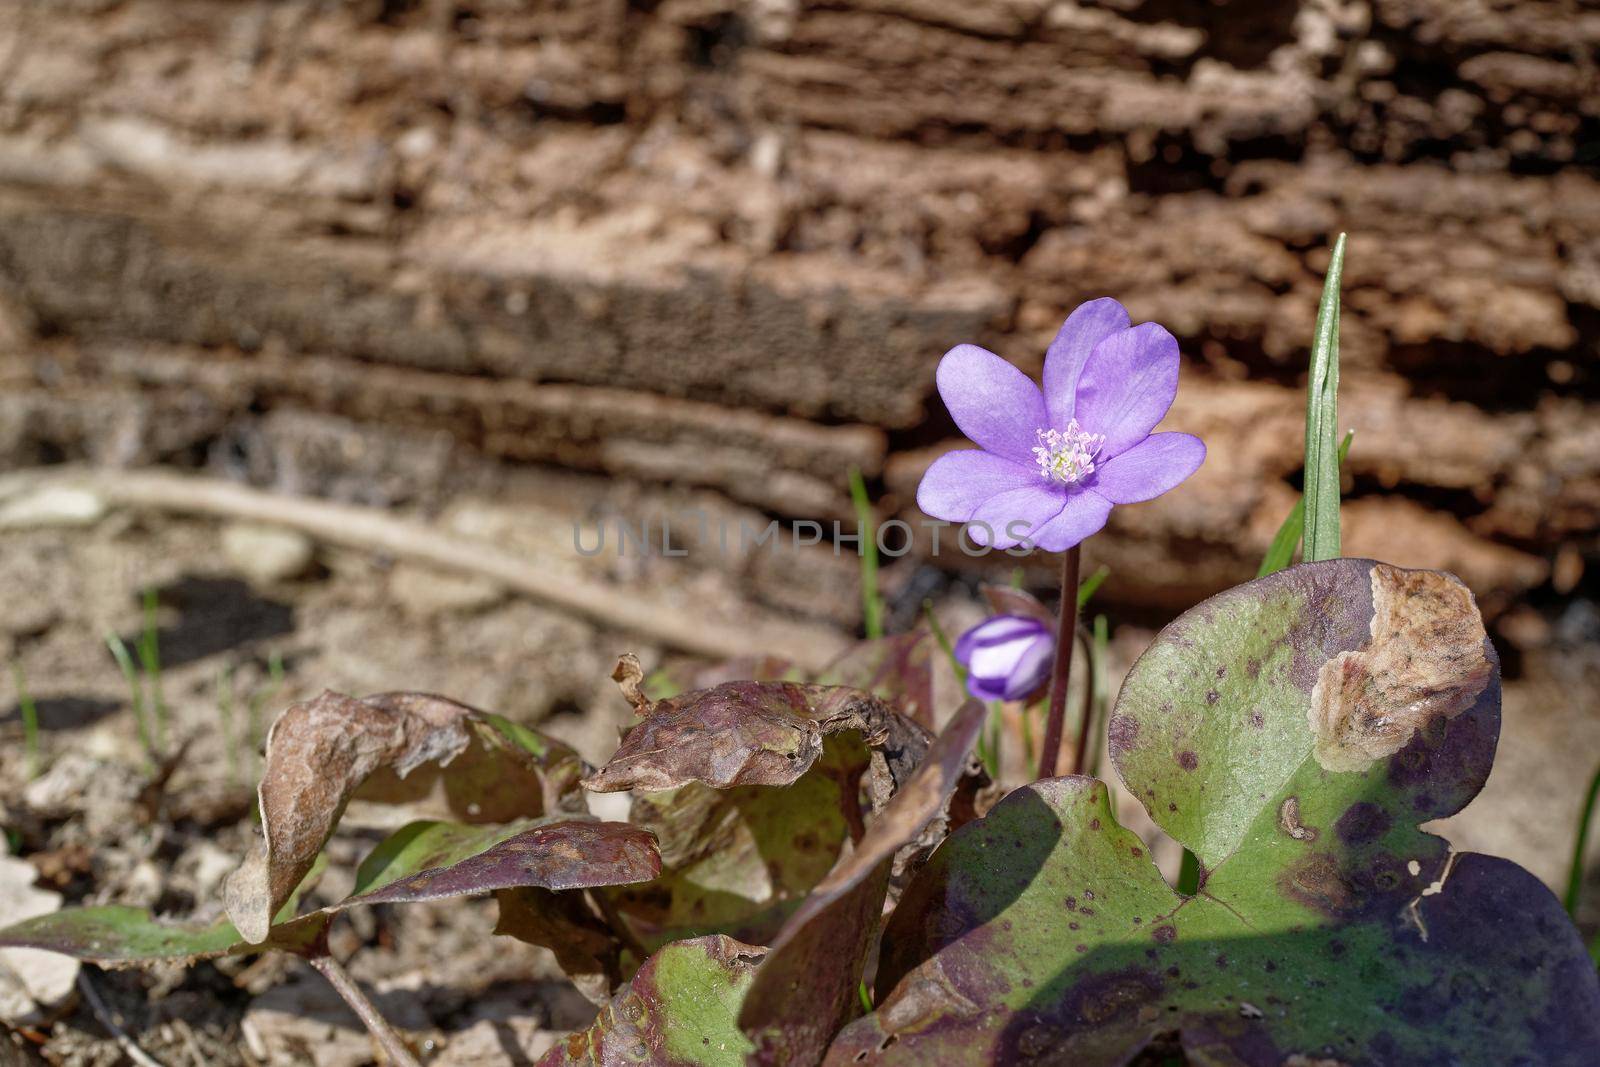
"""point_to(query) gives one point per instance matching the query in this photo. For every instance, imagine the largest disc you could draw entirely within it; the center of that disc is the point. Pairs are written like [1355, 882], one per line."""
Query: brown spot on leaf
[1317, 883]
[1362, 822]
[1425, 662]
[1188, 760]
[1165, 933]
[1121, 732]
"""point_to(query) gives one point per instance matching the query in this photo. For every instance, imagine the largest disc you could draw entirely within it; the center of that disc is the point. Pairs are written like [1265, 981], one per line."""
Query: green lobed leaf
[680, 1008]
[1293, 733]
[1322, 421]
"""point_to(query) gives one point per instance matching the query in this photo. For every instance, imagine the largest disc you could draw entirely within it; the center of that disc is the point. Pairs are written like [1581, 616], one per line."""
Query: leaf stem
[393, 1047]
[1061, 671]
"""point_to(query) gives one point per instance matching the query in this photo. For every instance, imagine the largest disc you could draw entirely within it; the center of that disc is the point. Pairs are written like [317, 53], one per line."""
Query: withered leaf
[402, 747]
[433, 860]
[805, 988]
[752, 733]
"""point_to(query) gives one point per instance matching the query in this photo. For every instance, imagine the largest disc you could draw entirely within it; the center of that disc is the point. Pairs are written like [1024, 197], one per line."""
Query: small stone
[266, 555]
[52, 505]
[32, 982]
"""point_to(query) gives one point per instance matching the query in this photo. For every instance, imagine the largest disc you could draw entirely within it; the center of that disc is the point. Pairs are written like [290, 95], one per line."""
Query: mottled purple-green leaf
[433, 860]
[396, 748]
[118, 935]
[1293, 733]
[679, 1009]
[806, 987]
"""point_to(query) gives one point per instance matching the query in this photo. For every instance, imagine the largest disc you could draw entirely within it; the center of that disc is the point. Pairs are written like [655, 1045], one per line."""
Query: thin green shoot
[150, 660]
[944, 641]
[1322, 422]
[230, 743]
[866, 998]
[1091, 585]
[30, 720]
[1580, 846]
[871, 600]
[1287, 540]
[130, 674]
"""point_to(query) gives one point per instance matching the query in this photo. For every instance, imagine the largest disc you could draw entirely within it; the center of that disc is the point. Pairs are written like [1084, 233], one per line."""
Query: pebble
[266, 555]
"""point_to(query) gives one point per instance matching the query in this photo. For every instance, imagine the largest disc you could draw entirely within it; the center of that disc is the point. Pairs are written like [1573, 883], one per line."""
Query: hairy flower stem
[1060, 673]
[394, 1049]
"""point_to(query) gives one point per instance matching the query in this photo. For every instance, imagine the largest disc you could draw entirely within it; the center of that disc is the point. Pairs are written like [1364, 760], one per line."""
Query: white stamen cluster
[1067, 456]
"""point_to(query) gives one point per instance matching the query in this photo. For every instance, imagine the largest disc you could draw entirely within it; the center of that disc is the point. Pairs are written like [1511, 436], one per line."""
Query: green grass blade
[30, 720]
[1580, 845]
[150, 659]
[130, 674]
[1091, 585]
[1322, 422]
[871, 602]
[1281, 553]
[944, 641]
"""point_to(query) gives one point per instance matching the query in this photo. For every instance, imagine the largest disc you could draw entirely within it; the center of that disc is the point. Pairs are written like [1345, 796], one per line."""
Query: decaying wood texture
[724, 243]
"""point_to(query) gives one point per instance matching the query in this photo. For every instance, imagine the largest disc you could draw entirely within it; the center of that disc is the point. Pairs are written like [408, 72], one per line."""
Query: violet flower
[1007, 657]
[1051, 465]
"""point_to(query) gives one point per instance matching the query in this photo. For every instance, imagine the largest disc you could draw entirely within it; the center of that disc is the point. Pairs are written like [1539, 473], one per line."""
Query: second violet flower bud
[1007, 657]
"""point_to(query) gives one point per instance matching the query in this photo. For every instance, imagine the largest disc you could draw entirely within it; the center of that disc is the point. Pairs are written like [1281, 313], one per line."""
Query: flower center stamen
[1067, 456]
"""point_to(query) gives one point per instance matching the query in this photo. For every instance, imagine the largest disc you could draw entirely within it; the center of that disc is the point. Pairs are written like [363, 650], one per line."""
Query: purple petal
[986, 688]
[1128, 385]
[993, 402]
[1085, 512]
[995, 630]
[1032, 669]
[1149, 468]
[958, 483]
[1086, 327]
[1010, 518]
